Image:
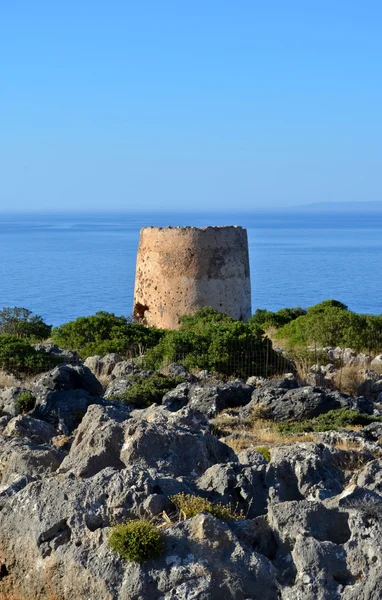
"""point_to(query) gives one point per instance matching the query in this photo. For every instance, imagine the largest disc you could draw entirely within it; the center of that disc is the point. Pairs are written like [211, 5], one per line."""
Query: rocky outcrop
[307, 517]
[301, 403]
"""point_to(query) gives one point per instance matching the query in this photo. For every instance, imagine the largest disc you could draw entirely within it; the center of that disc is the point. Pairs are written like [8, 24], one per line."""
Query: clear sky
[189, 104]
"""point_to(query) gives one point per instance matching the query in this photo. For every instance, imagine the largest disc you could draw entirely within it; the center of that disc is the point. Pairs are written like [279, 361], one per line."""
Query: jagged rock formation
[311, 526]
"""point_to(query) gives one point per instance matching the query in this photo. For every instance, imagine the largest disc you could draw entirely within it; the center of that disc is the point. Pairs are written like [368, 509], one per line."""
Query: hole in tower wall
[139, 312]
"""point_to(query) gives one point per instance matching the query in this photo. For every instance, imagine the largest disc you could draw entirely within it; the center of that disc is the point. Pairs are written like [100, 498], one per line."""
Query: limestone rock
[212, 399]
[26, 426]
[303, 471]
[102, 366]
[97, 443]
[177, 449]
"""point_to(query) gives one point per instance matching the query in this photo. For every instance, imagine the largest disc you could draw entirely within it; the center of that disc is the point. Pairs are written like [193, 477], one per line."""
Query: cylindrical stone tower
[182, 269]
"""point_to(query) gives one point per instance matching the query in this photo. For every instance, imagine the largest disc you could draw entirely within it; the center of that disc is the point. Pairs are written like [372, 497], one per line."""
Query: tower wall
[182, 269]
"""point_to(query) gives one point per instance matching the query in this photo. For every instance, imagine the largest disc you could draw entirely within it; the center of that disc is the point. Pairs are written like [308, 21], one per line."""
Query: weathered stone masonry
[181, 269]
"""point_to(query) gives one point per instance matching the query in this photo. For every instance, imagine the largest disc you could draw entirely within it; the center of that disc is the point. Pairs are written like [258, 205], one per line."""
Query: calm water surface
[64, 266]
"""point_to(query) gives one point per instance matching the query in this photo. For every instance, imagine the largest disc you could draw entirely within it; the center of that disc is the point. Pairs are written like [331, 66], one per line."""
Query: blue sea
[62, 266]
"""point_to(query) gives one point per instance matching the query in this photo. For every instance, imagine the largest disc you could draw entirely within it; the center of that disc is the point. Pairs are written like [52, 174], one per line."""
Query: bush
[213, 341]
[265, 318]
[24, 403]
[190, 506]
[148, 390]
[18, 356]
[103, 333]
[21, 322]
[330, 421]
[264, 450]
[331, 324]
[136, 541]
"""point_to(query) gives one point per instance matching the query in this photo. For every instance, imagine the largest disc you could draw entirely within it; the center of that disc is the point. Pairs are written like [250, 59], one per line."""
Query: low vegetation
[330, 323]
[103, 333]
[18, 356]
[210, 340]
[331, 421]
[22, 323]
[25, 402]
[147, 390]
[136, 541]
[189, 506]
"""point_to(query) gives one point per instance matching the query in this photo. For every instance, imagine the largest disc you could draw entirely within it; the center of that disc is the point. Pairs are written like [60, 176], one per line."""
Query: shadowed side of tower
[182, 269]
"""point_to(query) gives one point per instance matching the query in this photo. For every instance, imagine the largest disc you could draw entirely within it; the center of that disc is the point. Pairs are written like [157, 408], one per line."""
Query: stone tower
[182, 269]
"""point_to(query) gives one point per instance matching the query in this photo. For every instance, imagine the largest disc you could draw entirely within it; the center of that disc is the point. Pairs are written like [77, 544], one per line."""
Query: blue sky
[175, 104]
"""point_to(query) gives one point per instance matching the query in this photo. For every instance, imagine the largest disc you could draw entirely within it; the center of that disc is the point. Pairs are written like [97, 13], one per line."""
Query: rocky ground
[79, 463]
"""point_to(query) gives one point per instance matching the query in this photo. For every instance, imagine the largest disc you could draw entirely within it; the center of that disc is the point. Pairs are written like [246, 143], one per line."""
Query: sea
[62, 266]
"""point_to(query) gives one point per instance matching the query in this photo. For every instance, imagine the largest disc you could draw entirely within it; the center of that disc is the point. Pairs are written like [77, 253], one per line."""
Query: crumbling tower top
[182, 269]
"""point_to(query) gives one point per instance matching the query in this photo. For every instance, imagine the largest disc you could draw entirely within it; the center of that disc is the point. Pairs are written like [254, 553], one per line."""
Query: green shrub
[22, 323]
[265, 318]
[24, 403]
[103, 333]
[330, 421]
[148, 390]
[211, 340]
[331, 324]
[190, 506]
[18, 356]
[264, 450]
[136, 541]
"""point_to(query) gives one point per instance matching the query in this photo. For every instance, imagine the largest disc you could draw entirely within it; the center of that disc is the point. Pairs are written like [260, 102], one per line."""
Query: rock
[302, 403]
[371, 387]
[4, 422]
[15, 484]
[362, 500]
[97, 443]
[177, 398]
[66, 377]
[348, 357]
[251, 457]
[212, 399]
[24, 457]
[303, 471]
[38, 431]
[63, 525]
[63, 396]
[269, 391]
[289, 520]
[321, 569]
[8, 400]
[118, 387]
[376, 363]
[242, 487]
[175, 448]
[103, 366]
[175, 370]
[370, 476]
[124, 368]
[207, 560]
[65, 356]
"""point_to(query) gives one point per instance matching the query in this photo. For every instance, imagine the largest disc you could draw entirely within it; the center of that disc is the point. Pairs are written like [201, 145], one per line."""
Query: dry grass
[7, 380]
[349, 378]
[256, 431]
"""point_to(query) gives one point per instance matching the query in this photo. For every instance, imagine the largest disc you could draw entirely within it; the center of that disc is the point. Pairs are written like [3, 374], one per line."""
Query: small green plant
[136, 541]
[24, 403]
[264, 450]
[330, 421]
[190, 506]
[148, 390]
